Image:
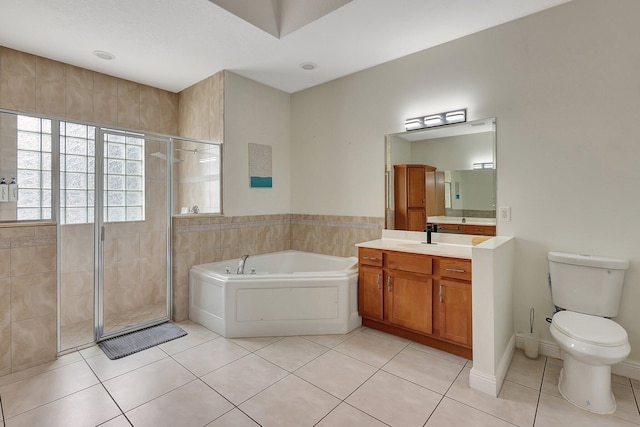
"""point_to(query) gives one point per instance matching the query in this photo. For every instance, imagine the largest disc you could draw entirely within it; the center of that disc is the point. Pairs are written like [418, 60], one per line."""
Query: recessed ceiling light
[308, 66]
[104, 55]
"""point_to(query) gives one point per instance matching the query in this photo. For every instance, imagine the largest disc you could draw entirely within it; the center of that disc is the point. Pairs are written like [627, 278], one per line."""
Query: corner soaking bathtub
[279, 294]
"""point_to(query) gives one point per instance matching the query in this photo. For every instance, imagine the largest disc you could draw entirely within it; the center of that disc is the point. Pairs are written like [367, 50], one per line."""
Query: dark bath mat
[124, 345]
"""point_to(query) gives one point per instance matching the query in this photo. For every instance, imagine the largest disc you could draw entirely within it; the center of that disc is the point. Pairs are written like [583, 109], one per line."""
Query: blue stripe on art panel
[261, 182]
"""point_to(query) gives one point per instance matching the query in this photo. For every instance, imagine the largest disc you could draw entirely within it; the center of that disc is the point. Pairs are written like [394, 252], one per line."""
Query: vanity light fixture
[487, 165]
[433, 120]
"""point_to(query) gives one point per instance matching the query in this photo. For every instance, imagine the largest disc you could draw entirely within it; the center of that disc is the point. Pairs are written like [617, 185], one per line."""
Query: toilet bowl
[590, 345]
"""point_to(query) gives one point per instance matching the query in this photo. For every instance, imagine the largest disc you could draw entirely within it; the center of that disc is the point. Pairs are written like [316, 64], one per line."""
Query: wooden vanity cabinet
[454, 301]
[370, 280]
[409, 291]
[420, 297]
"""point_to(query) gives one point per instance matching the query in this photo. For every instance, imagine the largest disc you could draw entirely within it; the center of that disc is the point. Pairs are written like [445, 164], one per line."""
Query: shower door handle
[102, 233]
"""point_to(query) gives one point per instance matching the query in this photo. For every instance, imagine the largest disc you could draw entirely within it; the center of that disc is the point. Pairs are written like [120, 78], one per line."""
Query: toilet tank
[587, 284]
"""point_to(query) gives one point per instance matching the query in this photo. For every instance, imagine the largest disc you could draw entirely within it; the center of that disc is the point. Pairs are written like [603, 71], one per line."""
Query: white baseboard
[491, 384]
[628, 368]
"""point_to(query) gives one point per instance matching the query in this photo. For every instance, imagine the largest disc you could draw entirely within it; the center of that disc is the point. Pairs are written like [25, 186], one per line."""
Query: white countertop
[458, 220]
[447, 245]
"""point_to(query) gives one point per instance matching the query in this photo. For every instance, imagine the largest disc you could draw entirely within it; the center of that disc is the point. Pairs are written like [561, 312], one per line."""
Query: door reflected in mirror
[442, 175]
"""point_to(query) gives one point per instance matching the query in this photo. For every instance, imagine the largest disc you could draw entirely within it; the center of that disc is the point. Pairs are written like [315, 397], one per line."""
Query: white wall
[563, 86]
[258, 114]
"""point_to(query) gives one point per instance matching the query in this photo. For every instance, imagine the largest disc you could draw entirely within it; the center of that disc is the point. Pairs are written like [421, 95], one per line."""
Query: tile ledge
[13, 224]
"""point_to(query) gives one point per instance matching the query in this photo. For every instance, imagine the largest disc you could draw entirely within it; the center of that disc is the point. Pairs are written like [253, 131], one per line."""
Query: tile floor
[81, 333]
[365, 378]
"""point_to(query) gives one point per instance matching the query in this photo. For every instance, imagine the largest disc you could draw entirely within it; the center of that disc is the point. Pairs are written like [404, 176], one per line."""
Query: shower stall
[115, 258]
[112, 193]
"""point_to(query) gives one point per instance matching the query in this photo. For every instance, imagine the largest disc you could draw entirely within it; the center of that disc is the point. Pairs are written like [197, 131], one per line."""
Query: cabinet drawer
[482, 230]
[455, 268]
[409, 262]
[450, 228]
[369, 256]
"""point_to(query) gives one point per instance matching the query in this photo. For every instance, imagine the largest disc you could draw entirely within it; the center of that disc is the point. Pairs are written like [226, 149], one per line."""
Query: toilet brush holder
[531, 345]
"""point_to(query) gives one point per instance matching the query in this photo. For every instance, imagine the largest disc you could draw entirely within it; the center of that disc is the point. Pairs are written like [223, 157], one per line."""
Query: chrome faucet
[241, 264]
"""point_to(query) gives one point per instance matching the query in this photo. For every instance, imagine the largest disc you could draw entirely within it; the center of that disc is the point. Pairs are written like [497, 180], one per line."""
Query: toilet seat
[590, 329]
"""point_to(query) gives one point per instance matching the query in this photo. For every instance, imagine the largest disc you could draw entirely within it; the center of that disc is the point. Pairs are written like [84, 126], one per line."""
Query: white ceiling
[172, 44]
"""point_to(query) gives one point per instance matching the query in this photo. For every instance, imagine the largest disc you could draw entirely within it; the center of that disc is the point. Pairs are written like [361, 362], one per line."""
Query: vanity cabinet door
[370, 292]
[408, 301]
[455, 311]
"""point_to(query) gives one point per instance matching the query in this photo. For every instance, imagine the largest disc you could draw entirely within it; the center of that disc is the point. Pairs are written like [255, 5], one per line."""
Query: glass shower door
[133, 241]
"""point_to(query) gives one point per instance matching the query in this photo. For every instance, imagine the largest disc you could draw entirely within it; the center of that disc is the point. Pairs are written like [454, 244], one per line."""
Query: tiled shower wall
[33, 84]
[27, 296]
[199, 240]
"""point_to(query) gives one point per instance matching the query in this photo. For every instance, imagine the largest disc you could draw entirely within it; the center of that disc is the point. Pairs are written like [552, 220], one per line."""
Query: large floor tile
[195, 337]
[348, 416]
[194, 404]
[336, 373]
[450, 413]
[106, 368]
[551, 378]
[254, 343]
[209, 356]
[88, 407]
[524, 371]
[244, 378]
[120, 421]
[424, 369]
[515, 404]
[46, 387]
[370, 349]
[333, 340]
[554, 412]
[61, 361]
[626, 405]
[290, 402]
[144, 384]
[390, 337]
[394, 401]
[439, 353]
[234, 418]
[292, 352]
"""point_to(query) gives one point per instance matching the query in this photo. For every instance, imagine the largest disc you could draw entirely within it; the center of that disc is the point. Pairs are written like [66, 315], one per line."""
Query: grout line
[544, 371]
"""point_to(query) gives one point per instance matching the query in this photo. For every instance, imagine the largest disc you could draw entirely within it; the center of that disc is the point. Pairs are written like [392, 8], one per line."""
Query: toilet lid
[590, 329]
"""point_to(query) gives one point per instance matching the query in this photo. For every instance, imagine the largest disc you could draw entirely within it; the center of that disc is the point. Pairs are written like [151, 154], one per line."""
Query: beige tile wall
[203, 240]
[27, 296]
[34, 84]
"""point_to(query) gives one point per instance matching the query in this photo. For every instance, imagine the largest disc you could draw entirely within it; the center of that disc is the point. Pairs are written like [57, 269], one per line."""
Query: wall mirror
[444, 175]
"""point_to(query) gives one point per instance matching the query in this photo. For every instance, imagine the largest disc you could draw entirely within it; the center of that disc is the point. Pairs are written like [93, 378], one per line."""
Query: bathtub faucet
[241, 264]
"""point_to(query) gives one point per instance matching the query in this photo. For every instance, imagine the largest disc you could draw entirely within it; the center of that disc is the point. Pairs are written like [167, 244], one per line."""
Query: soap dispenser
[4, 191]
[13, 190]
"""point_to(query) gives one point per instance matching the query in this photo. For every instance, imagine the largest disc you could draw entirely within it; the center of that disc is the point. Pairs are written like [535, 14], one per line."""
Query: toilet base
[587, 386]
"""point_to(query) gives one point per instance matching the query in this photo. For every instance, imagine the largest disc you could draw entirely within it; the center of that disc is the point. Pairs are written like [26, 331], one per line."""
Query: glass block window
[33, 168]
[77, 173]
[124, 177]
[123, 173]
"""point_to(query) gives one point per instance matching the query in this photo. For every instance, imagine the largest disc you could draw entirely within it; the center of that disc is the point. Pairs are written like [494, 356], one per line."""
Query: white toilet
[588, 290]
